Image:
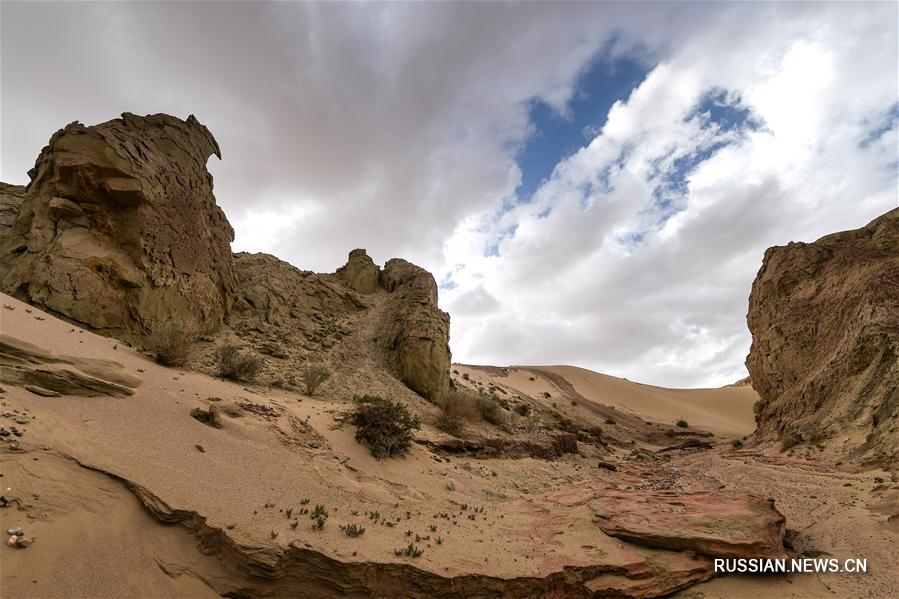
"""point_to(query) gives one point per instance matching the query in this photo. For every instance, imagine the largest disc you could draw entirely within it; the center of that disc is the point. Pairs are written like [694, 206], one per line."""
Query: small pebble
[23, 543]
[12, 540]
[14, 531]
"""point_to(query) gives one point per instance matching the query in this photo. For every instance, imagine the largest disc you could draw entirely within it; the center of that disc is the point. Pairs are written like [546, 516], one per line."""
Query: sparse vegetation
[456, 408]
[411, 550]
[682, 423]
[352, 530]
[385, 426]
[171, 345]
[237, 364]
[490, 409]
[313, 376]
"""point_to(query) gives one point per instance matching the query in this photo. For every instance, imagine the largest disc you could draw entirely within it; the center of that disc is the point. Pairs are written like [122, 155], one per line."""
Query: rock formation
[119, 229]
[824, 319]
[360, 273]
[11, 197]
[46, 374]
[416, 330]
[729, 524]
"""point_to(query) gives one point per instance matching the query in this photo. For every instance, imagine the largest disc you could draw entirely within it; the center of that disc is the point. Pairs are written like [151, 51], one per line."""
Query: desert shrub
[385, 426]
[171, 345]
[682, 423]
[237, 364]
[456, 408]
[314, 375]
[522, 409]
[568, 426]
[490, 410]
[791, 439]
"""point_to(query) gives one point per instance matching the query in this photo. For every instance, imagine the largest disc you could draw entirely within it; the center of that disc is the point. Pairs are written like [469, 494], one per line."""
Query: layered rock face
[11, 197]
[824, 319]
[119, 229]
[416, 331]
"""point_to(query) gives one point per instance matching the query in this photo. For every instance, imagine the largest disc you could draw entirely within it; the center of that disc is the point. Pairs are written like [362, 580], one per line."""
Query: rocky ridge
[119, 231]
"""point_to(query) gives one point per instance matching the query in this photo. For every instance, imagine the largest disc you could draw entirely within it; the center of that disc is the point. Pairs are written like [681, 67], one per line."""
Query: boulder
[43, 373]
[824, 319]
[118, 229]
[416, 331]
[726, 524]
[360, 273]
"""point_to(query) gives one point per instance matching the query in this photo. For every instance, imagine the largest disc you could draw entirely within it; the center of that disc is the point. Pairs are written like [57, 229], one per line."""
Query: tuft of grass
[411, 550]
[171, 345]
[237, 364]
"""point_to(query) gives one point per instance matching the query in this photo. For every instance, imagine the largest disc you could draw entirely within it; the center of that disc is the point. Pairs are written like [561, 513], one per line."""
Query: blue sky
[557, 135]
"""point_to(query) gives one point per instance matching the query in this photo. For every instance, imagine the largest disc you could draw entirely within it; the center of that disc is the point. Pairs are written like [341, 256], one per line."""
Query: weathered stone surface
[119, 229]
[360, 273]
[727, 524]
[824, 319]
[416, 330]
[11, 197]
[43, 373]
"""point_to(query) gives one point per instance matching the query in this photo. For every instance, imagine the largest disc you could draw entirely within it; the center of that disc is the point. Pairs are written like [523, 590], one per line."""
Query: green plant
[237, 364]
[682, 423]
[411, 550]
[319, 512]
[352, 530]
[304, 501]
[433, 527]
[313, 376]
[170, 344]
[385, 426]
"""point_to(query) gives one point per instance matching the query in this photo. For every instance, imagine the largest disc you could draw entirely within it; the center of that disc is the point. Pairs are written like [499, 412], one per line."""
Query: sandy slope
[726, 411]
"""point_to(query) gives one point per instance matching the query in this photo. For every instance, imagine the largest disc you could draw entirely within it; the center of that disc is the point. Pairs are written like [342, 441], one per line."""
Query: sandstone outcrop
[43, 373]
[119, 230]
[360, 273]
[416, 330]
[11, 197]
[728, 524]
[824, 319]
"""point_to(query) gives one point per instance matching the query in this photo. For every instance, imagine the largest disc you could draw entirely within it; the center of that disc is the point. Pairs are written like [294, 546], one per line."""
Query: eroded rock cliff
[416, 331]
[824, 319]
[119, 229]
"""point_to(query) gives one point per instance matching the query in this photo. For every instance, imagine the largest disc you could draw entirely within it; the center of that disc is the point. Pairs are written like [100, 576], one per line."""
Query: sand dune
[726, 411]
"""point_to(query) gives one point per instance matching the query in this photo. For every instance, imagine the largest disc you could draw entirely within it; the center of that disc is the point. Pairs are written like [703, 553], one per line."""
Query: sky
[590, 183]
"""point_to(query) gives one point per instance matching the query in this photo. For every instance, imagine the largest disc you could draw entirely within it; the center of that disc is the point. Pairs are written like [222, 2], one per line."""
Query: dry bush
[385, 426]
[171, 345]
[456, 408]
[491, 410]
[313, 376]
[237, 364]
